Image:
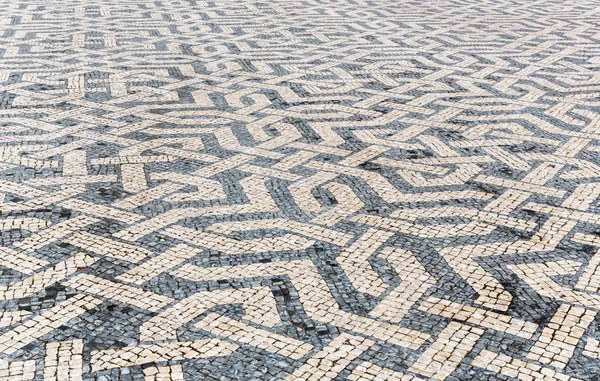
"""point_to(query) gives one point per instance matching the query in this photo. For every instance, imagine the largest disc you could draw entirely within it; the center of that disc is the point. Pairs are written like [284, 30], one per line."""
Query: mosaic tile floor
[299, 190]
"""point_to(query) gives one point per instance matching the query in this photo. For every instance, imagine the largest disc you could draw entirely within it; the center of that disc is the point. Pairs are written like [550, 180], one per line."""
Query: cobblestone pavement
[299, 190]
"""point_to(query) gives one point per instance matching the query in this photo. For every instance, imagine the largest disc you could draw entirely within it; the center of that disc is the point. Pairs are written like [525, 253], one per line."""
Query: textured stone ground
[299, 190]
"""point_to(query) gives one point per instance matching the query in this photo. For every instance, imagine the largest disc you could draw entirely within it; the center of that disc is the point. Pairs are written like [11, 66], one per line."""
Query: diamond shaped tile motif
[301, 190]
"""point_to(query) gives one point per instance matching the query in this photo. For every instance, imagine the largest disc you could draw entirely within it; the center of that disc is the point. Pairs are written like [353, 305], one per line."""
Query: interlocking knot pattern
[299, 190]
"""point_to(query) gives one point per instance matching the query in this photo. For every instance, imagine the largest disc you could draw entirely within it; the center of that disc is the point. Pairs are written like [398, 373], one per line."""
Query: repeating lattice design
[299, 190]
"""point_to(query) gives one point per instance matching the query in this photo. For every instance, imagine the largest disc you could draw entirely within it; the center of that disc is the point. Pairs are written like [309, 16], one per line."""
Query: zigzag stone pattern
[299, 190]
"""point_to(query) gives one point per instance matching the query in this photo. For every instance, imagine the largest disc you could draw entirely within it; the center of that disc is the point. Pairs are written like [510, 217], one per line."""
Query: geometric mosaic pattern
[300, 190]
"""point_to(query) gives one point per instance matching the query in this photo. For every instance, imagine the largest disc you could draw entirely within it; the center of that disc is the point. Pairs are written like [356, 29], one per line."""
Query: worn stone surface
[299, 190]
